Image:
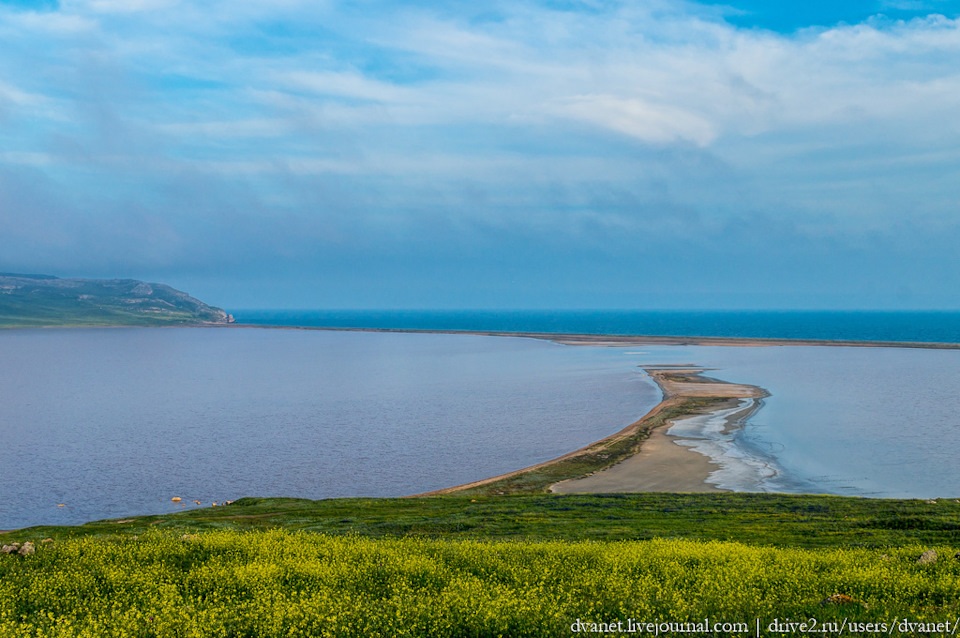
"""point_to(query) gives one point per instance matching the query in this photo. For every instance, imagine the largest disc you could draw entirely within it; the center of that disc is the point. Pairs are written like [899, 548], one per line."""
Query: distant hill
[43, 300]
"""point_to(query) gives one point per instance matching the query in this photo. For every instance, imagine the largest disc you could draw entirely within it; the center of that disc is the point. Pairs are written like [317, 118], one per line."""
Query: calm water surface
[855, 421]
[115, 422]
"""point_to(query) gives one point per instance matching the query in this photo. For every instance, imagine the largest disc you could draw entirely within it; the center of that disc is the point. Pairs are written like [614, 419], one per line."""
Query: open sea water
[940, 327]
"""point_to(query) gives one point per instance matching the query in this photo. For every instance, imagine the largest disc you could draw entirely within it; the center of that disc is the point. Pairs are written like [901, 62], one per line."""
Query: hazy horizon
[541, 154]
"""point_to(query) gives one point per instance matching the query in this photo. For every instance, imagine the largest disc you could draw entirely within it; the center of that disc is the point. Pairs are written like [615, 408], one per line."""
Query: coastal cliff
[44, 300]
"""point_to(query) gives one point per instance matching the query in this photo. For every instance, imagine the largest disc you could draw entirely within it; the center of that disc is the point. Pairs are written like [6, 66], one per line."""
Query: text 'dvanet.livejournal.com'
[774, 627]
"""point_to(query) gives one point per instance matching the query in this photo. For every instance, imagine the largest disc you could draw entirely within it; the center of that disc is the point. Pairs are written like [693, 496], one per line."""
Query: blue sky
[522, 154]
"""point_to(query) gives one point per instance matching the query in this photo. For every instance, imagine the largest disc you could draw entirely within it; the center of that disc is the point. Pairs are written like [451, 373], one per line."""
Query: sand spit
[657, 466]
[662, 465]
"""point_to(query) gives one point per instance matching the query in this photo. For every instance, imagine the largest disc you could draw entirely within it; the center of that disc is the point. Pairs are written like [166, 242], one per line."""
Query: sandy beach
[662, 465]
[666, 462]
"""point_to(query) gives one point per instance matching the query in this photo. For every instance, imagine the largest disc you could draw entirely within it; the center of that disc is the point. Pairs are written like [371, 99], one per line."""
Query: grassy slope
[756, 519]
[524, 565]
[36, 301]
[57, 315]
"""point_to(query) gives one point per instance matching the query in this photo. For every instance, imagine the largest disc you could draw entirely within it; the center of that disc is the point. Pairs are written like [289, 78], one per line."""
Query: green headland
[44, 300]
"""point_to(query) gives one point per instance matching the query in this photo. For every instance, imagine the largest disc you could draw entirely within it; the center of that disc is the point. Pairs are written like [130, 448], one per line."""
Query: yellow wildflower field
[280, 583]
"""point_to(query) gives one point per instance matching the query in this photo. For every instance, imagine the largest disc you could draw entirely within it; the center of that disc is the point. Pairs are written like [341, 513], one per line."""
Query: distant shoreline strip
[588, 339]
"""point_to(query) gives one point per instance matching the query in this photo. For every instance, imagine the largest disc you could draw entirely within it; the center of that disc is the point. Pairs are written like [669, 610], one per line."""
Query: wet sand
[662, 465]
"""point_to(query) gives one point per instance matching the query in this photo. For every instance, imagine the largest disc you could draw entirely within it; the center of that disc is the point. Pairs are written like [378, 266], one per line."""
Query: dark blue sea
[926, 326]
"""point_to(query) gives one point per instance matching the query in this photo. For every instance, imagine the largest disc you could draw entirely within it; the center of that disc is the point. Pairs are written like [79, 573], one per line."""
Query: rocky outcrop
[24, 549]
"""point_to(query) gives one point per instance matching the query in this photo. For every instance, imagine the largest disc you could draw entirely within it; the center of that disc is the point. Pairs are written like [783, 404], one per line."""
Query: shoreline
[587, 339]
[666, 462]
[686, 393]
[565, 338]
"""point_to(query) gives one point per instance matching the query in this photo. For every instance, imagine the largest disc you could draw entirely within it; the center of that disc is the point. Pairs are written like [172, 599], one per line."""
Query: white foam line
[714, 436]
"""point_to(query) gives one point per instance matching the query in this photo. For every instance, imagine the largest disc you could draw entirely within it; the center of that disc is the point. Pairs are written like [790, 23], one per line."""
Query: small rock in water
[929, 556]
[176, 499]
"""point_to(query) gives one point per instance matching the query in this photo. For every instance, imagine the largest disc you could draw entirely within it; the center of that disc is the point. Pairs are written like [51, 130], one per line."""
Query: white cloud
[639, 119]
[53, 23]
[26, 158]
[254, 128]
[131, 6]
[347, 85]
[12, 95]
[235, 85]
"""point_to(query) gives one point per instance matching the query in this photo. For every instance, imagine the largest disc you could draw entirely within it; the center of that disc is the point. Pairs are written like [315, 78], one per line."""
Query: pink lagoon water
[116, 422]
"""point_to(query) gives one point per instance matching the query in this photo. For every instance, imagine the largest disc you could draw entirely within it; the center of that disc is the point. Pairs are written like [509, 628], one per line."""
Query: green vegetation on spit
[594, 457]
[528, 565]
[44, 301]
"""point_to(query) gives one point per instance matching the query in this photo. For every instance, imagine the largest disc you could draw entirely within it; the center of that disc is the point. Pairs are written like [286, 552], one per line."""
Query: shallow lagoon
[115, 422]
[880, 422]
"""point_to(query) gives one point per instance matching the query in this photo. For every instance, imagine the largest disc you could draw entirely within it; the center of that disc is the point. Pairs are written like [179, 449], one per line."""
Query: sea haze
[116, 422]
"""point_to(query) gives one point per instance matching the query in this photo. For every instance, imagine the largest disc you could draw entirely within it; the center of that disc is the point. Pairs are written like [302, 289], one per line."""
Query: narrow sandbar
[655, 465]
[575, 339]
[662, 465]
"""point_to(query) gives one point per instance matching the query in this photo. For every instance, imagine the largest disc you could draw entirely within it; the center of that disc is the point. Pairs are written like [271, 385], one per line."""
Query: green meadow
[531, 565]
